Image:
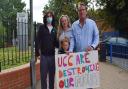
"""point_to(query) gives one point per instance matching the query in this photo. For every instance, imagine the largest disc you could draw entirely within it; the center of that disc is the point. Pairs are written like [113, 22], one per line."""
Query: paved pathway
[111, 76]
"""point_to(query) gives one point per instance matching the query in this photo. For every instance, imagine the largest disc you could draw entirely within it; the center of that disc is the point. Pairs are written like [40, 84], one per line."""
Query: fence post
[0, 66]
[32, 62]
[110, 53]
[35, 27]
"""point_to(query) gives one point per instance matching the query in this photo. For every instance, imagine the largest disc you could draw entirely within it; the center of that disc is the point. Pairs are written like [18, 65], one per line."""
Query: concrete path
[111, 77]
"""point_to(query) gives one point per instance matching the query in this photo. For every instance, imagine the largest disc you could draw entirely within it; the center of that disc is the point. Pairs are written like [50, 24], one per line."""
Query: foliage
[117, 12]
[113, 12]
[61, 7]
[9, 9]
[8, 12]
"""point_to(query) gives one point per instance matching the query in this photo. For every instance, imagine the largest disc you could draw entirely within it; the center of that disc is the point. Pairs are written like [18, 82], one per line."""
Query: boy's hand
[68, 52]
[89, 48]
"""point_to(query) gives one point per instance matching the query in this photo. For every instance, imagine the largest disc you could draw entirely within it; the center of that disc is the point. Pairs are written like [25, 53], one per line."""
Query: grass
[12, 57]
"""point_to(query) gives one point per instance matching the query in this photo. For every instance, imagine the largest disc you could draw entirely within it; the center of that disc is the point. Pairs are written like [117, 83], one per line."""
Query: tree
[68, 7]
[61, 7]
[117, 12]
[9, 8]
[8, 12]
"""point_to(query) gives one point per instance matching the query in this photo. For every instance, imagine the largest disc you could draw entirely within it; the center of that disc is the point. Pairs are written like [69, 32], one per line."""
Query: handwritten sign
[77, 70]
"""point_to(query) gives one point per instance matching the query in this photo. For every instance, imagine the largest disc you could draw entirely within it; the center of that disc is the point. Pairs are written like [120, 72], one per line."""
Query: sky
[37, 9]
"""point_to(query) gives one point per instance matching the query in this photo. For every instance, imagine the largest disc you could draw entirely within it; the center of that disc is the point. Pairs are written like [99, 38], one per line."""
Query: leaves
[8, 12]
[9, 8]
[61, 7]
[116, 13]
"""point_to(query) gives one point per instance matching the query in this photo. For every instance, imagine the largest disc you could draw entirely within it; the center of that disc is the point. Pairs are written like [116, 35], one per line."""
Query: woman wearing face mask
[64, 29]
[45, 48]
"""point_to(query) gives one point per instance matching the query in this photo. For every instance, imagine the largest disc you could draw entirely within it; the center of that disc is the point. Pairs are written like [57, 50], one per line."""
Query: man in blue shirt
[85, 34]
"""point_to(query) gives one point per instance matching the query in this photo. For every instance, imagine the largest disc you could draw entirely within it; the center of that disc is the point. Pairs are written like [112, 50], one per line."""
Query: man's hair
[81, 4]
[45, 18]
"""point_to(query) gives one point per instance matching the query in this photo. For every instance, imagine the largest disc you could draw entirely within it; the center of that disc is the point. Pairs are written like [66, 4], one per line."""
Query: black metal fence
[15, 47]
[116, 54]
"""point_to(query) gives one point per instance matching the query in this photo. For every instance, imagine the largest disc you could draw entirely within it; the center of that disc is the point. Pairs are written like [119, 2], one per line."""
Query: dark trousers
[47, 66]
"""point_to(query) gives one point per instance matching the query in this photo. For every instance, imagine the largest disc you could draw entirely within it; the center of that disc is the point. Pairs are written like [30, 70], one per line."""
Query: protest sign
[77, 70]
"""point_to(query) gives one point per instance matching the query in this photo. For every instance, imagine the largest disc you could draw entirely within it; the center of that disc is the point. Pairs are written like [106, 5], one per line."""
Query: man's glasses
[79, 10]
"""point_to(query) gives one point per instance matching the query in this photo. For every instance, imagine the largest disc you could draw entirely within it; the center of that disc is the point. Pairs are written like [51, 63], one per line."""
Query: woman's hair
[60, 27]
[65, 40]
[45, 18]
[60, 24]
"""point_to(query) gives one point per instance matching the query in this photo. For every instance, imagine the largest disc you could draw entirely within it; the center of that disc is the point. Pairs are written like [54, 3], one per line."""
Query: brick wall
[17, 78]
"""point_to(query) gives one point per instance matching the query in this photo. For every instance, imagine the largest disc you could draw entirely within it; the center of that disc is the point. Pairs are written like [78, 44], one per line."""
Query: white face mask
[49, 20]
